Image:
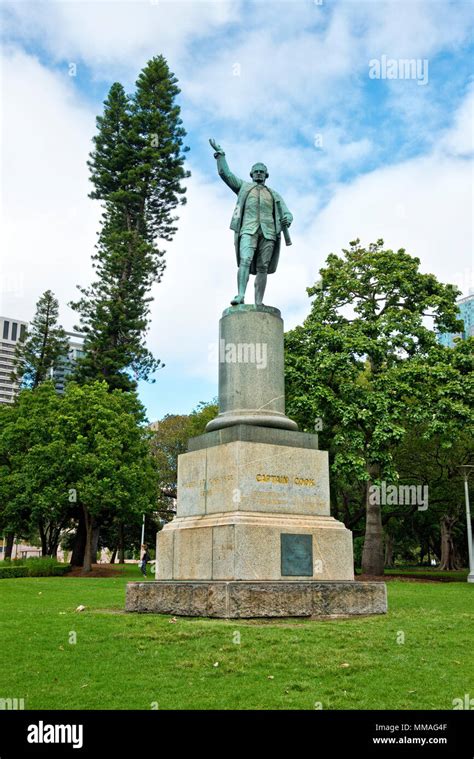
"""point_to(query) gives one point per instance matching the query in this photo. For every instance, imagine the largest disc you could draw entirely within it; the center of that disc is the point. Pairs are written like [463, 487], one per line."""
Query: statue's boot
[242, 280]
[260, 285]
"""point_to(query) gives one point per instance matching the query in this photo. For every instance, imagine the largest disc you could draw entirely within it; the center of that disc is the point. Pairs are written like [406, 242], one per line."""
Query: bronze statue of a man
[258, 220]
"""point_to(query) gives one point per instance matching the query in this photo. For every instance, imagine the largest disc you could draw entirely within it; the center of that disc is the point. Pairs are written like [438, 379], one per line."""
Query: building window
[14, 330]
[22, 331]
[6, 329]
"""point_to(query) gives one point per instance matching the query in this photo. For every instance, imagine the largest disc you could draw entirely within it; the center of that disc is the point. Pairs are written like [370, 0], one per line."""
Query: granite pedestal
[253, 535]
[247, 600]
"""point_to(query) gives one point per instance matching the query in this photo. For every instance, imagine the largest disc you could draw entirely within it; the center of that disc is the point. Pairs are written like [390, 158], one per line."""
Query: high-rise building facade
[64, 368]
[466, 313]
[11, 331]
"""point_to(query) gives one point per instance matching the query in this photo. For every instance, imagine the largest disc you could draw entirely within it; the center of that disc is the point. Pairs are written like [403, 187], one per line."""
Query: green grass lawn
[130, 661]
[428, 573]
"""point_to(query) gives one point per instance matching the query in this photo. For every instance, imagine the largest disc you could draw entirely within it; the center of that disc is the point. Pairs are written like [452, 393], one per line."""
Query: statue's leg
[247, 249]
[243, 278]
[260, 285]
[264, 256]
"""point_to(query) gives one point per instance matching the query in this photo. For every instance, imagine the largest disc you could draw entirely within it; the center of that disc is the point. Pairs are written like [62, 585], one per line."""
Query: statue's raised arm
[223, 168]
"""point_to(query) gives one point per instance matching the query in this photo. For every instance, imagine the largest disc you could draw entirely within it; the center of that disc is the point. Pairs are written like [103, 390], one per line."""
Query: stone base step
[250, 599]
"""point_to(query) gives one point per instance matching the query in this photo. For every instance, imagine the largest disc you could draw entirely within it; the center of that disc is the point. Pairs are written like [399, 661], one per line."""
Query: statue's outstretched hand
[217, 148]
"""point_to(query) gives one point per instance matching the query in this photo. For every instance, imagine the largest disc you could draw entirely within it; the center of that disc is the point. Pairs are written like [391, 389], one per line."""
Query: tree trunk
[388, 550]
[121, 546]
[448, 549]
[87, 566]
[425, 551]
[77, 557]
[372, 553]
[95, 544]
[44, 542]
[53, 534]
[53, 546]
[113, 555]
[10, 536]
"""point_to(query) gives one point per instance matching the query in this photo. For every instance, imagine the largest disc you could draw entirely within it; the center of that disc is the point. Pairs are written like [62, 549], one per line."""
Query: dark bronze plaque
[296, 555]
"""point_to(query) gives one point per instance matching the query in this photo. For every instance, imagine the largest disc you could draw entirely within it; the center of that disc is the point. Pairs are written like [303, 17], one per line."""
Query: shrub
[41, 567]
[12, 571]
[45, 567]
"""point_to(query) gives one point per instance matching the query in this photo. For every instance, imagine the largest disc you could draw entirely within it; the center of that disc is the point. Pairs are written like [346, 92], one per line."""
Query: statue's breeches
[256, 245]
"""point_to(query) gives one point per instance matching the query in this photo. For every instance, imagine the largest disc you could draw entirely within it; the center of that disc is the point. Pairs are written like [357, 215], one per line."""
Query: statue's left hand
[285, 221]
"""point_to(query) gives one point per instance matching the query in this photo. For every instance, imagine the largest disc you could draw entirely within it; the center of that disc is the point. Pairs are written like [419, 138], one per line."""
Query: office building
[60, 372]
[466, 313]
[11, 331]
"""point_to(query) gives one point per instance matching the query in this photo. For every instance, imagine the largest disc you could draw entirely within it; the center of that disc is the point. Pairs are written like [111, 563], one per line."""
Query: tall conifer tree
[137, 169]
[45, 344]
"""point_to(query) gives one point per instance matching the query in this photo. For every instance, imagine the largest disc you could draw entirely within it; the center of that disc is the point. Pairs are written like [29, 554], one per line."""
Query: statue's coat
[242, 189]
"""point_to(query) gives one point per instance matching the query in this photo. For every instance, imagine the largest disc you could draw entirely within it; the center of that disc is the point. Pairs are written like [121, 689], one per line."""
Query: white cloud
[115, 37]
[302, 54]
[49, 225]
[459, 139]
[423, 205]
[276, 79]
[411, 28]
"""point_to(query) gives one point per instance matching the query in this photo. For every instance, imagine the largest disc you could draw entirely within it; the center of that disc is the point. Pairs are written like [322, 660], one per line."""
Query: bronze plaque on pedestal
[296, 555]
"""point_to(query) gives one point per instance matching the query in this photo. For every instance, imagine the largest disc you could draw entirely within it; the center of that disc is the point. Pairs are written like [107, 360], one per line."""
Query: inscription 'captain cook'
[283, 479]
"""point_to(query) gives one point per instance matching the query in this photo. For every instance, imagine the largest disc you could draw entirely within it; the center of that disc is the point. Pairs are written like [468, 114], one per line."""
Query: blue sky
[283, 82]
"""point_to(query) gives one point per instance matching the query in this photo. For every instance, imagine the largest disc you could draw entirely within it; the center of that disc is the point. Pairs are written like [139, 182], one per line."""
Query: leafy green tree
[85, 451]
[442, 410]
[107, 455]
[137, 169]
[12, 521]
[44, 346]
[39, 492]
[344, 364]
[434, 460]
